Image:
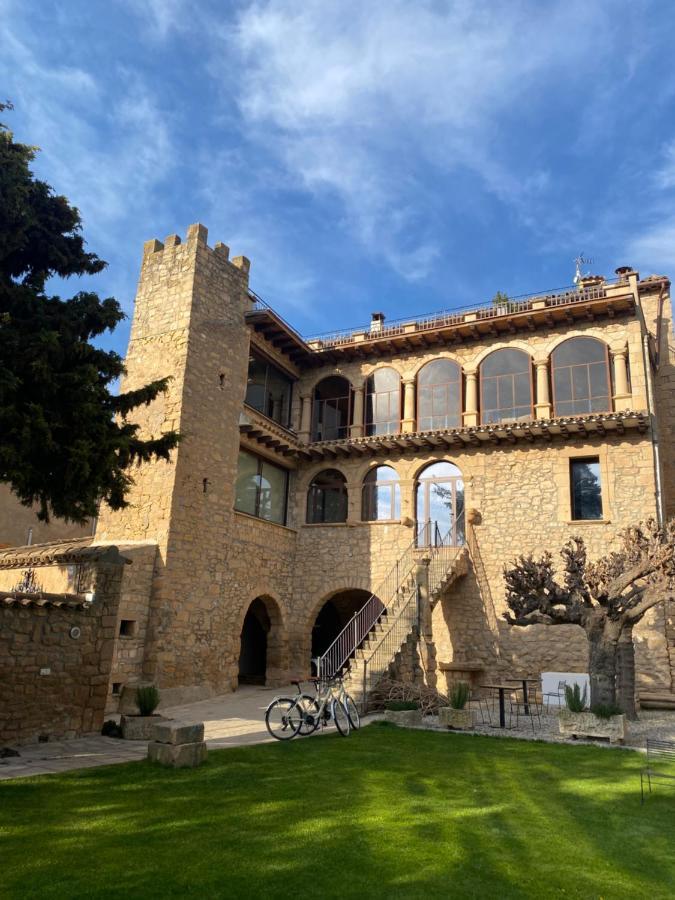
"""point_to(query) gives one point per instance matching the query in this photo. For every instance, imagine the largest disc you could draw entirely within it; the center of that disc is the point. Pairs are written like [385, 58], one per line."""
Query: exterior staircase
[368, 645]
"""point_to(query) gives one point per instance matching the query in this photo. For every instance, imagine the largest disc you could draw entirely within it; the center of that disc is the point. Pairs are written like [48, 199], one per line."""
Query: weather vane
[580, 261]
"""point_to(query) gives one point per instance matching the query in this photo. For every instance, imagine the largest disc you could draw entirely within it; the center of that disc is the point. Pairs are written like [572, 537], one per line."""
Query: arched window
[331, 409]
[327, 498]
[439, 503]
[506, 386]
[381, 495]
[439, 395]
[580, 374]
[383, 402]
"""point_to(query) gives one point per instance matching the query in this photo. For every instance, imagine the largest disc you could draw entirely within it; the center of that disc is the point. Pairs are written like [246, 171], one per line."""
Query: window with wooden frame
[439, 395]
[268, 389]
[381, 495]
[261, 488]
[327, 498]
[585, 489]
[506, 386]
[581, 377]
[331, 409]
[383, 402]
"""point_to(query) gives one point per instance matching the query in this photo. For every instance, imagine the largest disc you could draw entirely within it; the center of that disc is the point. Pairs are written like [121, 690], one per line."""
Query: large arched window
[381, 495]
[439, 395]
[327, 498]
[331, 409]
[439, 503]
[383, 402]
[506, 386]
[580, 374]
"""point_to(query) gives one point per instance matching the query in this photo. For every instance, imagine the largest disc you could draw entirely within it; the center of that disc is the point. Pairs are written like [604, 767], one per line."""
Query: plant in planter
[140, 727]
[456, 715]
[403, 712]
[602, 720]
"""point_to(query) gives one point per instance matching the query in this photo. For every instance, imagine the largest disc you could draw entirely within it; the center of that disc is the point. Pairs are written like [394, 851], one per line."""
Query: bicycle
[286, 717]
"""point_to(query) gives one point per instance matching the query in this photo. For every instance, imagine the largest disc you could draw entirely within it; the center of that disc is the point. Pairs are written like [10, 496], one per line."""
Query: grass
[387, 813]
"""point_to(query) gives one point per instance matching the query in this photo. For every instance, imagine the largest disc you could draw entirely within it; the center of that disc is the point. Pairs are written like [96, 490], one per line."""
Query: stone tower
[188, 324]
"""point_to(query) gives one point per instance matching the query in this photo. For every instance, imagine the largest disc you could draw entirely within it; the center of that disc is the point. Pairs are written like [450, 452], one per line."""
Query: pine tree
[65, 441]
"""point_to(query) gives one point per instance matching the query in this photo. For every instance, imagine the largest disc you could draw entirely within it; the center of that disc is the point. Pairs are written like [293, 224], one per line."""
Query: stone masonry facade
[200, 567]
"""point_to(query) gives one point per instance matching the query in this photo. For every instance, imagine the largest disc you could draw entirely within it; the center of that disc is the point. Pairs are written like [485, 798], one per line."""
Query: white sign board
[551, 680]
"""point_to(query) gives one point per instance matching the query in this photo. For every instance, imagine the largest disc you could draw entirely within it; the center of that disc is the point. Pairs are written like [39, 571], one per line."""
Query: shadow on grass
[389, 812]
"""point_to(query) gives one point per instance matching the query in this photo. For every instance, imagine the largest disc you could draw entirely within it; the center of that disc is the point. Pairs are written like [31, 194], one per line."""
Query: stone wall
[55, 660]
[19, 524]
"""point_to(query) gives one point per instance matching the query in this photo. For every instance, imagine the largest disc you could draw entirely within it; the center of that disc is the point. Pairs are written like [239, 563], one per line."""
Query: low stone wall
[55, 659]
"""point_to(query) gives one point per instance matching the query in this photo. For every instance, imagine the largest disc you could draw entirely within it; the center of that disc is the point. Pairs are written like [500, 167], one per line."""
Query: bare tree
[606, 598]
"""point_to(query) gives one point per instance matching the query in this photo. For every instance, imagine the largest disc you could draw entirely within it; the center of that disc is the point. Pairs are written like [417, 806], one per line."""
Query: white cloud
[355, 97]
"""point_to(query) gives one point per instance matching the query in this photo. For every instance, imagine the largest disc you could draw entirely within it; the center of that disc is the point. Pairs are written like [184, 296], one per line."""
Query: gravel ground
[652, 723]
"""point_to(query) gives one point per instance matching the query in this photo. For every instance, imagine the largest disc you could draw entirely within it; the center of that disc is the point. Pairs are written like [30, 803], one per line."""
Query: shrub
[147, 699]
[459, 695]
[575, 700]
[111, 729]
[606, 710]
[400, 705]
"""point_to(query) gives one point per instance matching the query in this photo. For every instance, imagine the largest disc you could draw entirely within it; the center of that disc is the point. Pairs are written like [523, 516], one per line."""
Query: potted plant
[139, 727]
[403, 712]
[456, 715]
[604, 720]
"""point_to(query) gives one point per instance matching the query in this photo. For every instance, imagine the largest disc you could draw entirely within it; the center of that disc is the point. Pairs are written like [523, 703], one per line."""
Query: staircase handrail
[365, 619]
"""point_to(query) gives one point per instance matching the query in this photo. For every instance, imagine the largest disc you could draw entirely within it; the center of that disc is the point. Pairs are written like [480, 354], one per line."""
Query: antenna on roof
[580, 261]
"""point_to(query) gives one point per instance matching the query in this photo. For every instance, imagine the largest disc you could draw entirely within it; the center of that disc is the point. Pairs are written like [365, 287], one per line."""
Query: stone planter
[587, 724]
[140, 728]
[406, 718]
[461, 719]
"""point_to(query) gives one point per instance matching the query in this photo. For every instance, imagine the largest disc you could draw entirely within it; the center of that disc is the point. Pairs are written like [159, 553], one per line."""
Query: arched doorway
[332, 617]
[261, 643]
[439, 502]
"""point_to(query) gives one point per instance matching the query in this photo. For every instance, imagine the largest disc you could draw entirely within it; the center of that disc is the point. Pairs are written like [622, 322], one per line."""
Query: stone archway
[261, 644]
[332, 616]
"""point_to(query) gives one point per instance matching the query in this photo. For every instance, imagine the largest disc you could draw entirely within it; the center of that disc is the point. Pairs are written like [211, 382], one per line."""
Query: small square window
[116, 688]
[127, 628]
[586, 489]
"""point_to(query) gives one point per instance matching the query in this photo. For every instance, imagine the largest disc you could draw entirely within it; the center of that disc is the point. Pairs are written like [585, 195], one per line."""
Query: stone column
[471, 404]
[542, 407]
[356, 430]
[622, 395]
[408, 423]
[305, 417]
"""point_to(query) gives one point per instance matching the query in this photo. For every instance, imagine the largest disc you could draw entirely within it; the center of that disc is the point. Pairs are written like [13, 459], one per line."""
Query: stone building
[400, 465]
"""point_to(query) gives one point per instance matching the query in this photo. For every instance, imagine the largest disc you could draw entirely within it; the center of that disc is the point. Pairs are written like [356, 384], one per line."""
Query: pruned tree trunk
[602, 669]
[625, 672]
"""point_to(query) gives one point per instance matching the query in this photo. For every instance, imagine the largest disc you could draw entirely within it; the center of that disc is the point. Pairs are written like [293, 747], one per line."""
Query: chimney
[376, 322]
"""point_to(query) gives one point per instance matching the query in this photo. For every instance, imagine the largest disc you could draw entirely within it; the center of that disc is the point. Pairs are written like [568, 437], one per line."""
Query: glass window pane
[246, 488]
[273, 493]
[598, 377]
[490, 393]
[580, 382]
[562, 385]
[523, 389]
[505, 393]
[579, 350]
[506, 362]
[586, 489]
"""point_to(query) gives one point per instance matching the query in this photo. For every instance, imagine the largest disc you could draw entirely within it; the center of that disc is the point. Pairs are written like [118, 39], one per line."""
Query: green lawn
[386, 813]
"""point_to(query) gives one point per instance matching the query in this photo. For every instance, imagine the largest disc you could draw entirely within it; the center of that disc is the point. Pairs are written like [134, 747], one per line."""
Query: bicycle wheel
[283, 718]
[353, 713]
[340, 717]
[309, 708]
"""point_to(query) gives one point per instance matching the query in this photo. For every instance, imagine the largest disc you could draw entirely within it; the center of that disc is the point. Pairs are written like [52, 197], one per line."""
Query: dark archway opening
[253, 652]
[333, 616]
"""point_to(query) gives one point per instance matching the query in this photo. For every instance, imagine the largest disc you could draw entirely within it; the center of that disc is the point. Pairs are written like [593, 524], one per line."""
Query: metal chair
[559, 695]
[659, 754]
[531, 710]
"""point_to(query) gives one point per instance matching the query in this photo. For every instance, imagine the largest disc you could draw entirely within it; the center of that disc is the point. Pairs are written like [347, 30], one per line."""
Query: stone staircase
[399, 623]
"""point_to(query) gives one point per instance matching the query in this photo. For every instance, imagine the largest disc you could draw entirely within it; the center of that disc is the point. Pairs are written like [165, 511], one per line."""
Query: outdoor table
[521, 684]
[502, 707]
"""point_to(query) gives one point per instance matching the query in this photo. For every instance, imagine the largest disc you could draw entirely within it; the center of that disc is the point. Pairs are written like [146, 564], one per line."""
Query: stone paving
[229, 720]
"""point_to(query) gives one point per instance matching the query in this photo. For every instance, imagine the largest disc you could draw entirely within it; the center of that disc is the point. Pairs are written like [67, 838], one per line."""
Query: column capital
[541, 362]
[471, 373]
[619, 351]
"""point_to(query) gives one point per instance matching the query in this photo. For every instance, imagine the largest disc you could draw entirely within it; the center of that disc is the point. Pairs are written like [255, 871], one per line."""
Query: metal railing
[489, 310]
[383, 600]
[442, 555]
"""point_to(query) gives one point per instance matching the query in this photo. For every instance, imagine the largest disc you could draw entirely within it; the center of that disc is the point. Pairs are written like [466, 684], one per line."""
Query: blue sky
[392, 156]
